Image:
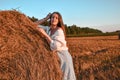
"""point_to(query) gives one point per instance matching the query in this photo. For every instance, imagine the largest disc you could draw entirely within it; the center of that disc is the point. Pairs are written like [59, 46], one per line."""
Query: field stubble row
[95, 58]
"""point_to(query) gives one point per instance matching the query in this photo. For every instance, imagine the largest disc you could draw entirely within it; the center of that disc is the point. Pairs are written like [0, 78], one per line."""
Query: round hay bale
[24, 54]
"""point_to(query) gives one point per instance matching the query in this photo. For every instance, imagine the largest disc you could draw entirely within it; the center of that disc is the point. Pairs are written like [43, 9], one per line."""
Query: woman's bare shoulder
[59, 31]
[59, 28]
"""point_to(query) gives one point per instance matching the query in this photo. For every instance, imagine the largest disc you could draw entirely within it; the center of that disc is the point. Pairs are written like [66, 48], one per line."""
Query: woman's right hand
[47, 37]
[48, 16]
[44, 19]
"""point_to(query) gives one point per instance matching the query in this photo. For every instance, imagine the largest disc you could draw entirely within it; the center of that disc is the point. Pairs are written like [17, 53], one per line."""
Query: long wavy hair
[60, 21]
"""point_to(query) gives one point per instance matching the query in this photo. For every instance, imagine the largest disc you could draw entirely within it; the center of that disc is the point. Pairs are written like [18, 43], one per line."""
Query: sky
[98, 14]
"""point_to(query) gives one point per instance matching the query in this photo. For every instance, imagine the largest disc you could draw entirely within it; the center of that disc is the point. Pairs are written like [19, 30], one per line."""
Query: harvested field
[96, 58]
[25, 55]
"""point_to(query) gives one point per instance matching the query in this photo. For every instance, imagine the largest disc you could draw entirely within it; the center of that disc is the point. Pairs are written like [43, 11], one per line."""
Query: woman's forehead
[55, 14]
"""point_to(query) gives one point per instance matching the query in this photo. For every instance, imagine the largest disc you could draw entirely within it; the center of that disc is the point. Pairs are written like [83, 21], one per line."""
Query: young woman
[55, 35]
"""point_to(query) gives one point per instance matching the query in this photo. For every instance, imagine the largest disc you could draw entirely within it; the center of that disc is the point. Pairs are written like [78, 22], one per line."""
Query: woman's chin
[54, 24]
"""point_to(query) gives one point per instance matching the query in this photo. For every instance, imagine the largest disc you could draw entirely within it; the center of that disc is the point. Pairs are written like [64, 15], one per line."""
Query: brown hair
[60, 21]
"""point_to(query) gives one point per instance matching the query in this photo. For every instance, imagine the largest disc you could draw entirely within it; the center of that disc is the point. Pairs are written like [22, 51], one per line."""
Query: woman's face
[54, 19]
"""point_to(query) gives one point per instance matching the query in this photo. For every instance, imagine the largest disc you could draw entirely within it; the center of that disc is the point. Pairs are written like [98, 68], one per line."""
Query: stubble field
[95, 58]
[25, 55]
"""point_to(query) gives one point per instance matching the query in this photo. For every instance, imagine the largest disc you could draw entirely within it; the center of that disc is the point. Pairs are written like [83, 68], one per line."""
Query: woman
[55, 35]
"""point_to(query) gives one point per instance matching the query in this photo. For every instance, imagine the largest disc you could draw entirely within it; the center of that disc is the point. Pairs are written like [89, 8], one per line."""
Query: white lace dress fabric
[58, 44]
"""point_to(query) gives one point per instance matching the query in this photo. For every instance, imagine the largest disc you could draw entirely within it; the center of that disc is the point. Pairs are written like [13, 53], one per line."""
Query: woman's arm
[58, 42]
[49, 40]
[43, 20]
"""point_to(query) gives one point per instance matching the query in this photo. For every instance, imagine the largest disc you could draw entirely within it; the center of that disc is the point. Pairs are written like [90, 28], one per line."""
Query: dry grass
[96, 58]
[24, 54]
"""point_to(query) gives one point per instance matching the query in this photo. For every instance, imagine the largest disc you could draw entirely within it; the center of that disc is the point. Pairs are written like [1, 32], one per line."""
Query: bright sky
[99, 14]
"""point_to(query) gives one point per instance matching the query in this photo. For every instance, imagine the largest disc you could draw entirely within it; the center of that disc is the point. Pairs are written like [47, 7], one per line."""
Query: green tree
[33, 18]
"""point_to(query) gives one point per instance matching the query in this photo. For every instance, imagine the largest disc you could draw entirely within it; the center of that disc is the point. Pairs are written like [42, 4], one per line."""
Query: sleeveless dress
[58, 44]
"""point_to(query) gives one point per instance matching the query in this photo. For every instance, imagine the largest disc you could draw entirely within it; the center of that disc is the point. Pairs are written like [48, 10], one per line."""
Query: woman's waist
[62, 48]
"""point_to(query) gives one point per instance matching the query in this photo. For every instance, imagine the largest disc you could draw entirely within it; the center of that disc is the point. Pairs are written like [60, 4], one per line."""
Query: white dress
[59, 44]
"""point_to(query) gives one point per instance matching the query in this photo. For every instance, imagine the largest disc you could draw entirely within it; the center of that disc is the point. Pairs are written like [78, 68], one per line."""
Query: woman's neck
[53, 27]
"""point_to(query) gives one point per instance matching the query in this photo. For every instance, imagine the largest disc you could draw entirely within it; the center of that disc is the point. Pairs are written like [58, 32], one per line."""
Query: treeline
[79, 31]
[75, 31]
